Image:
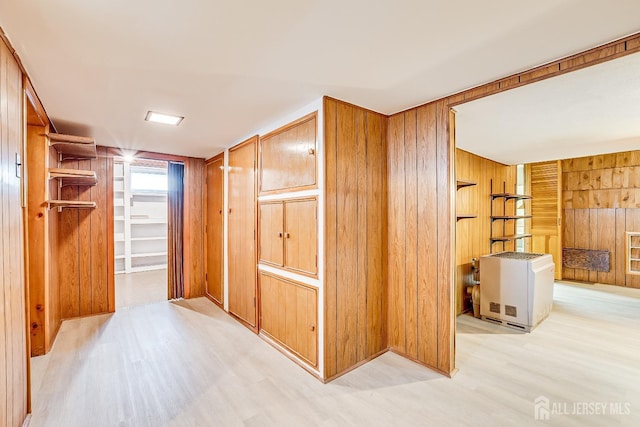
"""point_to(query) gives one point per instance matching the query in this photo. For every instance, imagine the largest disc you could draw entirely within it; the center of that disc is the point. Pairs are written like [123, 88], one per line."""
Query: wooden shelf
[508, 217]
[73, 147]
[75, 204]
[73, 176]
[148, 254]
[509, 238]
[465, 216]
[461, 183]
[145, 239]
[510, 196]
[148, 221]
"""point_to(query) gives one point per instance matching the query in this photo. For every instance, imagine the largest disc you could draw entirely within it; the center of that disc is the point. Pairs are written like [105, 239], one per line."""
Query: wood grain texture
[13, 340]
[288, 312]
[427, 235]
[300, 227]
[214, 228]
[355, 202]
[271, 234]
[194, 269]
[546, 209]
[293, 145]
[600, 198]
[242, 232]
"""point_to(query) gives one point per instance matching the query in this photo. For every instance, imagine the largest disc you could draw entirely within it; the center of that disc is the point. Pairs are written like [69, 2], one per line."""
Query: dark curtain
[175, 204]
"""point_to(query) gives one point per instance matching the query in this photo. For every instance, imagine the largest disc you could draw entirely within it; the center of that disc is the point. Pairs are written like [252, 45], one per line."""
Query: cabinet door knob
[313, 328]
[279, 234]
[287, 235]
[312, 151]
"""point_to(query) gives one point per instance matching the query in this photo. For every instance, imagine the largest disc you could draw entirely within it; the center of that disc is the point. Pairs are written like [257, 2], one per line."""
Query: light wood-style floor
[189, 364]
[140, 288]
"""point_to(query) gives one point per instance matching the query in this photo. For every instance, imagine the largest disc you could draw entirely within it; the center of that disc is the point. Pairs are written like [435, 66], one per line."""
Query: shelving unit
[506, 197]
[72, 147]
[462, 183]
[139, 227]
[633, 252]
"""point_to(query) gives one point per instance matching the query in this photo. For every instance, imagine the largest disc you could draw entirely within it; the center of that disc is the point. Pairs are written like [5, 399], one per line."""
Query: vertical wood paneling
[411, 233]
[600, 195]
[376, 205]
[355, 247]
[427, 234]
[85, 246]
[396, 236]
[445, 156]
[13, 346]
[330, 240]
[347, 235]
[361, 230]
[99, 236]
[194, 224]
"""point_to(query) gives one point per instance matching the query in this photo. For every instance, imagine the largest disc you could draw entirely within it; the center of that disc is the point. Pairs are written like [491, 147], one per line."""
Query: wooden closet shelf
[73, 147]
[465, 216]
[510, 196]
[461, 183]
[508, 217]
[73, 176]
[77, 204]
[509, 238]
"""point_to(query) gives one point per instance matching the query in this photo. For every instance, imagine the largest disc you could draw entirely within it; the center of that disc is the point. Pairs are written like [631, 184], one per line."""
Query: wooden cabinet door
[288, 157]
[214, 228]
[271, 220]
[301, 231]
[242, 232]
[289, 315]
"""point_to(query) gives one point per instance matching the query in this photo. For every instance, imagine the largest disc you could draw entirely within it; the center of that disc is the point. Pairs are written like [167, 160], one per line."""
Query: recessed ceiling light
[166, 119]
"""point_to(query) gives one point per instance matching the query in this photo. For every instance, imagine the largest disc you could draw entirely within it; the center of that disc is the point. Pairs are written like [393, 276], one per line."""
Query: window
[148, 180]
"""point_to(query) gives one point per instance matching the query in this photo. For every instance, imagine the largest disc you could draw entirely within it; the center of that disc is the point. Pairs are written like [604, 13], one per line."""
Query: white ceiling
[592, 111]
[232, 67]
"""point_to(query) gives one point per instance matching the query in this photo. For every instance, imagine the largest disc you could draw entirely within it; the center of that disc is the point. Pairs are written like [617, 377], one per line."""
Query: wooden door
[301, 230]
[242, 232]
[214, 229]
[271, 224]
[289, 315]
[546, 211]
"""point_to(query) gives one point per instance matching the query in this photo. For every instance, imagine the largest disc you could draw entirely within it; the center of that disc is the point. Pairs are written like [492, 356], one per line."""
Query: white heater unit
[516, 288]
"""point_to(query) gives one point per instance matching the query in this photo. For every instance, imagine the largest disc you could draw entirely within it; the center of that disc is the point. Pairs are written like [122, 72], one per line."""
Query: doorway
[140, 231]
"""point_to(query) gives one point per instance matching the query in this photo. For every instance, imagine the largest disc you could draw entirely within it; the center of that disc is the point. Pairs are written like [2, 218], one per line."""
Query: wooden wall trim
[597, 55]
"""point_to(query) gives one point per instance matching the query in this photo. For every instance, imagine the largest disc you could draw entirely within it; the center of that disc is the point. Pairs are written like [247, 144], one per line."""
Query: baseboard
[291, 356]
[26, 421]
[434, 369]
[215, 301]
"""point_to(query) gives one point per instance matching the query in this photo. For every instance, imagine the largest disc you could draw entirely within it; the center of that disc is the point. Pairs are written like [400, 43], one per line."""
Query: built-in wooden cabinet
[289, 234]
[288, 157]
[242, 232]
[289, 315]
[214, 228]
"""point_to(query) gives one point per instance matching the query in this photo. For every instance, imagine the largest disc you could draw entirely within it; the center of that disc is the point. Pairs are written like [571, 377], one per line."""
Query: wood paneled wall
[601, 200]
[420, 215]
[42, 232]
[473, 234]
[194, 173]
[84, 278]
[13, 337]
[355, 239]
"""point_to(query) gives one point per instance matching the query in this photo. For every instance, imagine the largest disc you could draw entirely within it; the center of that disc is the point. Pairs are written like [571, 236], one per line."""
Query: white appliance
[516, 288]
